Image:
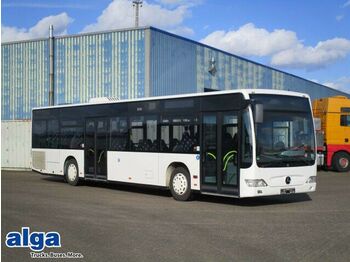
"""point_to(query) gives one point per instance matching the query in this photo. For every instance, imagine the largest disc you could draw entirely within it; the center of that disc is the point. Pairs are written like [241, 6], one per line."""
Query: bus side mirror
[259, 113]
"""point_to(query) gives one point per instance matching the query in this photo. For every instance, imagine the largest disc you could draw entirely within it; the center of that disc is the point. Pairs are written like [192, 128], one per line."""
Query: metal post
[51, 61]
[137, 4]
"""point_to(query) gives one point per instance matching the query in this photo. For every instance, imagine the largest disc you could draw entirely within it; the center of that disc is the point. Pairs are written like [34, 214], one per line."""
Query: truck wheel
[341, 162]
[72, 172]
[180, 184]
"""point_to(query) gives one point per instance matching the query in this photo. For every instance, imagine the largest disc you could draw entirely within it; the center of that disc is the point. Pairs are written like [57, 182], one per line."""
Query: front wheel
[72, 172]
[180, 184]
[341, 162]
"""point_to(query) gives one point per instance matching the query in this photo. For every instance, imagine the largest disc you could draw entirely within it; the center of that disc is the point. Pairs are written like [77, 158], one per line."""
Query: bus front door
[219, 153]
[96, 134]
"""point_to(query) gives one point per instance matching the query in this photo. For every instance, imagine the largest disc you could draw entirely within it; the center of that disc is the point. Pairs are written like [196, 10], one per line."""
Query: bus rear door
[96, 142]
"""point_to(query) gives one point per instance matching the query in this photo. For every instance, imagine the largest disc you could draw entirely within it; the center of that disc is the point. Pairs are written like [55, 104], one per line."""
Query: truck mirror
[317, 124]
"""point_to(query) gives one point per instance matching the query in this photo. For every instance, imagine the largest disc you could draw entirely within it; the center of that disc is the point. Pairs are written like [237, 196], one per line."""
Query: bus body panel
[276, 180]
[54, 160]
[133, 167]
[150, 168]
[191, 161]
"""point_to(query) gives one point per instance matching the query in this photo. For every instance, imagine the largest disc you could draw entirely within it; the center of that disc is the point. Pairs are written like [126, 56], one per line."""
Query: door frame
[95, 175]
[219, 188]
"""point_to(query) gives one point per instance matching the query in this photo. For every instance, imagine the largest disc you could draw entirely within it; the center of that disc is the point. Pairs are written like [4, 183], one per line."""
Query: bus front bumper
[273, 191]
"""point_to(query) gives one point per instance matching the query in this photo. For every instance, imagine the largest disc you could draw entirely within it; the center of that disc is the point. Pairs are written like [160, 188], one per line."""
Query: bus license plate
[287, 191]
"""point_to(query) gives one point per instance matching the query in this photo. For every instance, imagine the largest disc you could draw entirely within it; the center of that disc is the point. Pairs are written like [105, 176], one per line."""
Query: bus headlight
[311, 179]
[255, 182]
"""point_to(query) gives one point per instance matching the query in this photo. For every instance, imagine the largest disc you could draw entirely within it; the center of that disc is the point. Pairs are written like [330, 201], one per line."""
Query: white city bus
[242, 143]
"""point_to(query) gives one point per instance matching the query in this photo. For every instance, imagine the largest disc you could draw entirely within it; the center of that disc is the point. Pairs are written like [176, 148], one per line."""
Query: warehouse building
[130, 63]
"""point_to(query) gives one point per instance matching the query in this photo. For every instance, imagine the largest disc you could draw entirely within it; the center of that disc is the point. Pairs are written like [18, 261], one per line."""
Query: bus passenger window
[165, 140]
[185, 140]
[179, 135]
[118, 133]
[143, 134]
[39, 134]
[52, 134]
[72, 134]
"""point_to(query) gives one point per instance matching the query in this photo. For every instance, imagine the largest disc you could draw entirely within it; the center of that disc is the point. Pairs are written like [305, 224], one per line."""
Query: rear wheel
[341, 162]
[180, 184]
[72, 172]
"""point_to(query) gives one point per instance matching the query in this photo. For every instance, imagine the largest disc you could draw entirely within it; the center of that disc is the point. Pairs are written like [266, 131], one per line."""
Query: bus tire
[341, 162]
[71, 173]
[180, 184]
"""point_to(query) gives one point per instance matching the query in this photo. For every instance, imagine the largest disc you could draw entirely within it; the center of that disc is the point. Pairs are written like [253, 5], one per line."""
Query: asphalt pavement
[109, 222]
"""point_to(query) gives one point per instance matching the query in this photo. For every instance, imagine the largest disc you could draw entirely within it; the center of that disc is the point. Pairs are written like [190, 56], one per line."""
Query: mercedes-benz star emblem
[288, 179]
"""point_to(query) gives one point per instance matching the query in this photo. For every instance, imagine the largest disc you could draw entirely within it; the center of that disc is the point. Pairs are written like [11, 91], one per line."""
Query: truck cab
[333, 134]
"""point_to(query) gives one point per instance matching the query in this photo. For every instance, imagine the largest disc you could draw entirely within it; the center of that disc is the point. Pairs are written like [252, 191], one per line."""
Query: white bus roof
[244, 92]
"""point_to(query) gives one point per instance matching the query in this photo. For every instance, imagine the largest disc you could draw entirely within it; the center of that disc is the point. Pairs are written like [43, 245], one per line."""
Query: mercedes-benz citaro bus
[242, 143]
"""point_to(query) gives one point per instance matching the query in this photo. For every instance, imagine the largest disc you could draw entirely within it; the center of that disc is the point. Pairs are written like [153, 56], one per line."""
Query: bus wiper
[294, 160]
[272, 164]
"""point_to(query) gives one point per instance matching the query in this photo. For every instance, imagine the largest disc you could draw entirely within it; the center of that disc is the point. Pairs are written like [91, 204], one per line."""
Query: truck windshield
[285, 138]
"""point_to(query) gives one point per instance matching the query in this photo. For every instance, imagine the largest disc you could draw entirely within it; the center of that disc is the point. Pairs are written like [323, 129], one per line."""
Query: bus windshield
[285, 137]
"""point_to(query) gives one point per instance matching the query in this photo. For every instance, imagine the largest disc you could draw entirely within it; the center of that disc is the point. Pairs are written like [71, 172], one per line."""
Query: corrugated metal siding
[114, 64]
[16, 143]
[236, 73]
[24, 78]
[172, 65]
[178, 65]
[106, 64]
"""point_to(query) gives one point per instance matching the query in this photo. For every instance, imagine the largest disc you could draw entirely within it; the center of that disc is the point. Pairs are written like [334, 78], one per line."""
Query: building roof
[179, 37]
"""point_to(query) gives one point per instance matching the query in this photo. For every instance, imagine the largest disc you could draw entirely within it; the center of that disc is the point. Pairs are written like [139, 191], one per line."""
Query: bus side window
[143, 134]
[52, 134]
[72, 134]
[136, 133]
[39, 134]
[179, 135]
[164, 138]
[151, 134]
[118, 133]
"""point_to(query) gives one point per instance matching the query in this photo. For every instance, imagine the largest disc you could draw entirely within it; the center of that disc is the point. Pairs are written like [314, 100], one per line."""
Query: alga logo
[36, 241]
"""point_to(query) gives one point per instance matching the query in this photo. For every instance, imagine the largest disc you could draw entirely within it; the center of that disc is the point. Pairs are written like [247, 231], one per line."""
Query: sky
[309, 38]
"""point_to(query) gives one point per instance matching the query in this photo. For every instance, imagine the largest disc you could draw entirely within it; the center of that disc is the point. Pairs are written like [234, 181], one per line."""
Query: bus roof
[244, 92]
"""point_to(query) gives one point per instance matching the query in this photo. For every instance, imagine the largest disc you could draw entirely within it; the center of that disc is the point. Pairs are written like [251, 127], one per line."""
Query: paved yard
[108, 222]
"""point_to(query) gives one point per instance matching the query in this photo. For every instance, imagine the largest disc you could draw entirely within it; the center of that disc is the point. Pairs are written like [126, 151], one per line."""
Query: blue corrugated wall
[24, 78]
[179, 65]
[108, 64]
[115, 64]
[172, 65]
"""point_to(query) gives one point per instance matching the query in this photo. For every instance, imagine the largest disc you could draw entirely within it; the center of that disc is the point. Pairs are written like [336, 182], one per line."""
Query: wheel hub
[72, 172]
[344, 162]
[180, 184]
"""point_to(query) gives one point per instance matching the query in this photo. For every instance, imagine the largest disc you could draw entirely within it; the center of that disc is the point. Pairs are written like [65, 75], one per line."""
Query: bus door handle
[346, 140]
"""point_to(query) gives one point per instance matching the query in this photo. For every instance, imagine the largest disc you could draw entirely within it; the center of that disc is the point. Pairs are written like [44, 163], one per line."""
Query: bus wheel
[341, 162]
[180, 184]
[72, 172]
